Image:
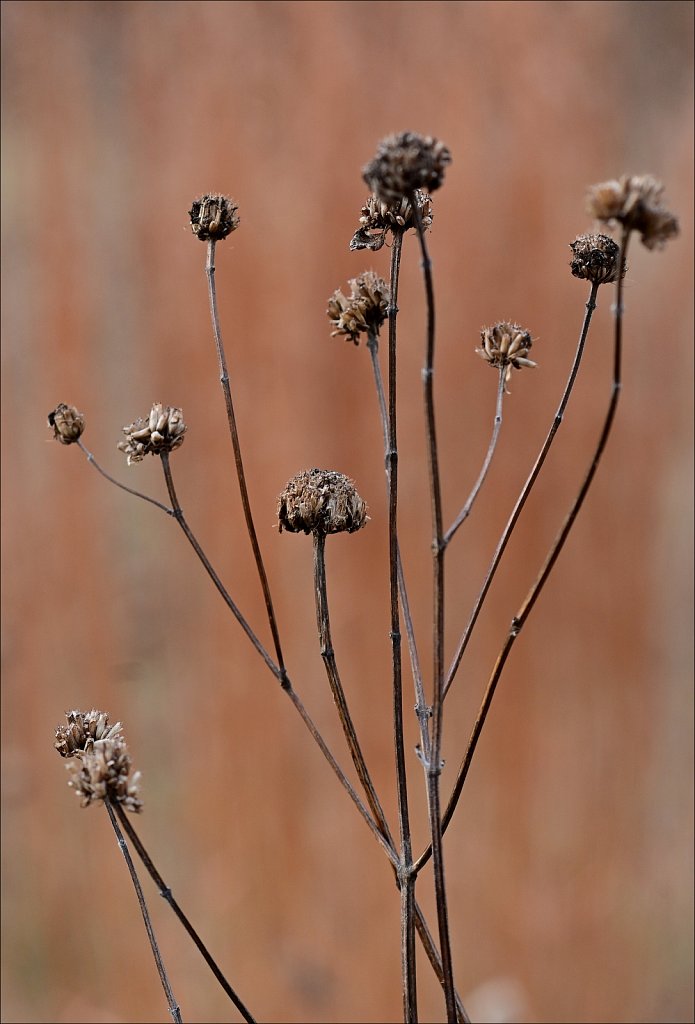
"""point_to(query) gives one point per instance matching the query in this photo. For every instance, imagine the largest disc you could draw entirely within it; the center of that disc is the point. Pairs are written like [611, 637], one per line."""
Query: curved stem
[173, 1005]
[466, 510]
[521, 500]
[167, 894]
[277, 671]
[243, 490]
[116, 483]
[434, 762]
[525, 610]
[421, 708]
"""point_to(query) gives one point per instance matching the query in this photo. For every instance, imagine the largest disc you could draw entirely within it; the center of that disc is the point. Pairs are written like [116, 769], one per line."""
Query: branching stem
[173, 1005]
[167, 894]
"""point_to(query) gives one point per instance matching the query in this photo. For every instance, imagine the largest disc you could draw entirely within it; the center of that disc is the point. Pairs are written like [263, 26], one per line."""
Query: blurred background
[569, 863]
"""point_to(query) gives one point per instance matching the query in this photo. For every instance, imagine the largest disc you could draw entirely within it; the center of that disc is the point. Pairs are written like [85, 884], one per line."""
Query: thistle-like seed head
[83, 729]
[161, 431]
[506, 345]
[321, 501]
[364, 311]
[213, 217]
[404, 163]
[635, 202]
[378, 218]
[68, 424]
[103, 764]
[595, 258]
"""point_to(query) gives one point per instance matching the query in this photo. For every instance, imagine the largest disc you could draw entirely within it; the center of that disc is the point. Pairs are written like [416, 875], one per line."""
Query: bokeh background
[570, 861]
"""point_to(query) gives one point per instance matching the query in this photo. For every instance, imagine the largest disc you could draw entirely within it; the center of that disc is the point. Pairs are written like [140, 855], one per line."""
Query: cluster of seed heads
[595, 258]
[67, 423]
[102, 766]
[405, 163]
[363, 311]
[213, 217]
[635, 201]
[379, 218]
[506, 345]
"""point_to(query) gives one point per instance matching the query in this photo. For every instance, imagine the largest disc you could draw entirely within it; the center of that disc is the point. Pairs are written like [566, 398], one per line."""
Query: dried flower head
[321, 501]
[68, 424]
[161, 432]
[364, 311]
[405, 163]
[379, 217]
[213, 217]
[595, 258]
[104, 772]
[83, 729]
[634, 202]
[505, 345]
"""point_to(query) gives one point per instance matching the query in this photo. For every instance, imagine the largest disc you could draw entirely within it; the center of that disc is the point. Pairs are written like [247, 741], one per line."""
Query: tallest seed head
[405, 163]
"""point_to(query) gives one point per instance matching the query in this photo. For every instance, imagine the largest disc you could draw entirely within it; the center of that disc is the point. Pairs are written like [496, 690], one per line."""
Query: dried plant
[404, 171]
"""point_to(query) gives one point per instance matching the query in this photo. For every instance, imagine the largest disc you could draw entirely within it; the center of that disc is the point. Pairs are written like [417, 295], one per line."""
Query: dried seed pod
[635, 202]
[595, 258]
[378, 218]
[321, 501]
[161, 431]
[364, 311]
[213, 217]
[104, 772]
[83, 729]
[506, 345]
[68, 424]
[404, 163]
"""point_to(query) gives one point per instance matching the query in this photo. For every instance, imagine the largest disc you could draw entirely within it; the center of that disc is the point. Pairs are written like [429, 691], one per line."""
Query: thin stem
[173, 1005]
[521, 500]
[277, 671]
[330, 664]
[167, 894]
[243, 490]
[408, 964]
[434, 762]
[466, 510]
[421, 708]
[525, 609]
[116, 483]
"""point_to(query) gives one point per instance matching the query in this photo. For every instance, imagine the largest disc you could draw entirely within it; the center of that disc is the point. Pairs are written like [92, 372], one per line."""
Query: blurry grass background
[569, 864]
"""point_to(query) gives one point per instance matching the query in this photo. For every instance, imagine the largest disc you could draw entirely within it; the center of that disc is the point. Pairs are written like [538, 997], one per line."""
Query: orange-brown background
[569, 865]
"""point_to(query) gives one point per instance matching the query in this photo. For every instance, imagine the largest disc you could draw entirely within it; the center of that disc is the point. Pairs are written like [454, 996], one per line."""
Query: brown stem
[466, 510]
[173, 1005]
[521, 500]
[525, 609]
[243, 490]
[167, 894]
[433, 764]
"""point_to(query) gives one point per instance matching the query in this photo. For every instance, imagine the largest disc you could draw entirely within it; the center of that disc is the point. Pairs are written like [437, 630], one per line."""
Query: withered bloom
[363, 311]
[82, 731]
[404, 163]
[162, 431]
[506, 345]
[103, 764]
[68, 424]
[595, 258]
[321, 501]
[213, 217]
[635, 202]
[378, 218]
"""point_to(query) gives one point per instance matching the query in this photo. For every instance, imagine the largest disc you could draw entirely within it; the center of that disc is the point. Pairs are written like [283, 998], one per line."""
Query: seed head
[102, 762]
[364, 311]
[595, 258]
[82, 731]
[405, 163]
[213, 217]
[162, 431]
[634, 202]
[68, 424]
[321, 501]
[505, 345]
[378, 218]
